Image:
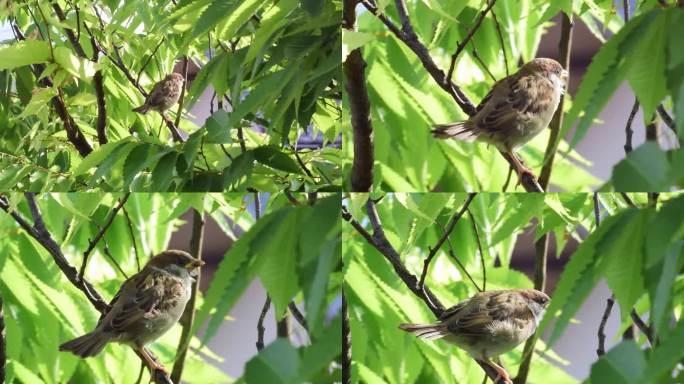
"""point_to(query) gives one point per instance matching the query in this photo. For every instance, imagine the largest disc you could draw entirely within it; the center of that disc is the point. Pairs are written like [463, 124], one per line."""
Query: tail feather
[463, 130]
[89, 344]
[142, 109]
[426, 331]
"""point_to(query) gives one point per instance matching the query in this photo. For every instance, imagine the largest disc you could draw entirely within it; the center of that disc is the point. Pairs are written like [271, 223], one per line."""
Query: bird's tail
[142, 109]
[463, 130]
[426, 331]
[89, 344]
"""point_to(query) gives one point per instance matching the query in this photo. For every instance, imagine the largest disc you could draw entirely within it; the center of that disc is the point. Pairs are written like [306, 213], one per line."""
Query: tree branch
[460, 46]
[181, 100]
[628, 128]
[479, 248]
[3, 357]
[541, 256]
[188, 317]
[43, 237]
[260, 324]
[101, 233]
[354, 66]
[346, 342]
[601, 350]
[445, 235]
[557, 120]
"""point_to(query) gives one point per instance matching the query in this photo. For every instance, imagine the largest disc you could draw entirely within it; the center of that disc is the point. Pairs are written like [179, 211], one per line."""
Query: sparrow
[147, 305]
[488, 324]
[515, 110]
[164, 94]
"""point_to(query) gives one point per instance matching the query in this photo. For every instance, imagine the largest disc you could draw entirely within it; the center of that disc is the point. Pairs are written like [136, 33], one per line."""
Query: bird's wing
[509, 99]
[486, 308]
[138, 298]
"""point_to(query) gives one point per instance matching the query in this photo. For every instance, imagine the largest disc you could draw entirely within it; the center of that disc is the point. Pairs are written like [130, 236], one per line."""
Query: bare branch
[501, 40]
[297, 314]
[601, 350]
[181, 100]
[188, 317]
[445, 235]
[628, 128]
[346, 342]
[460, 46]
[3, 357]
[409, 37]
[354, 66]
[479, 248]
[260, 324]
[149, 58]
[101, 233]
[557, 120]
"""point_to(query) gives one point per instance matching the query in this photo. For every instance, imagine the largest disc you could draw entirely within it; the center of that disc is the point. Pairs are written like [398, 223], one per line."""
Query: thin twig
[564, 45]
[501, 40]
[667, 119]
[188, 317]
[645, 329]
[447, 231]
[181, 100]
[601, 349]
[260, 324]
[346, 342]
[147, 60]
[628, 127]
[297, 314]
[628, 200]
[129, 223]
[460, 46]
[3, 357]
[479, 247]
[482, 63]
[101, 233]
[301, 164]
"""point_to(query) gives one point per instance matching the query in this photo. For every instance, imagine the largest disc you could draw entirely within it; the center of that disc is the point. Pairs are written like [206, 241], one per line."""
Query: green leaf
[163, 172]
[98, 155]
[318, 355]
[191, 146]
[647, 72]
[140, 158]
[77, 67]
[623, 364]
[266, 90]
[644, 169]
[235, 13]
[604, 75]
[236, 175]
[218, 130]
[666, 355]
[278, 363]
[279, 274]
[40, 99]
[272, 156]
[202, 80]
[24, 53]
[623, 256]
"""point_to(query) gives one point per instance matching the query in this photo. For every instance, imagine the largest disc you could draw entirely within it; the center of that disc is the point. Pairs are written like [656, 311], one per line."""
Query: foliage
[42, 309]
[273, 66]
[642, 268]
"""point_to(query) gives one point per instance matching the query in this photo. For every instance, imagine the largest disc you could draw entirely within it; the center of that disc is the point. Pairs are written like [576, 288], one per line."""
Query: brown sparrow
[164, 94]
[488, 324]
[516, 109]
[147, 305]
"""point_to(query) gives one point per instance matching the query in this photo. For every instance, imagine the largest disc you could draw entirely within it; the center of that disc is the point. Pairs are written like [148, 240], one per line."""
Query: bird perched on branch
[147, 305]
[488, 324]
[515, 110]
[164, 94]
